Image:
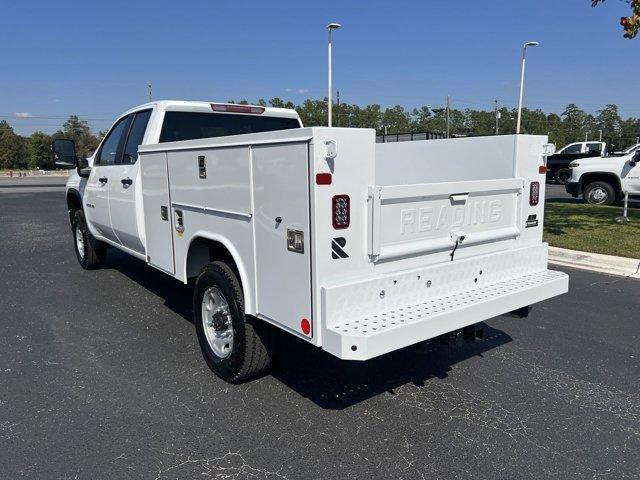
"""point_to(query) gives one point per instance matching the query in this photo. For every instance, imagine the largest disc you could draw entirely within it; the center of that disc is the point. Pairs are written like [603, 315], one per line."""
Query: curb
[623, 266]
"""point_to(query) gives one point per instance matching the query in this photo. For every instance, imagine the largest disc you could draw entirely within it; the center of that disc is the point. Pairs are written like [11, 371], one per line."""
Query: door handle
[126, 181]
[103, 179]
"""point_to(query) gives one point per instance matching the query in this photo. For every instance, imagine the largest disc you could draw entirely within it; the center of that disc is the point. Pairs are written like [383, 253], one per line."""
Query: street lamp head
[333, 26]
[531, 44]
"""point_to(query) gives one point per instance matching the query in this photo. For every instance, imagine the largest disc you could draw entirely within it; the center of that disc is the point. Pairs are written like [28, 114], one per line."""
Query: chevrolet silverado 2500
[604, 181]
[355, 247]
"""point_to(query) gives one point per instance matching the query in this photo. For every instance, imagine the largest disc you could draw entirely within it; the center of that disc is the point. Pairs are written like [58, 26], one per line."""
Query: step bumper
[367, 336]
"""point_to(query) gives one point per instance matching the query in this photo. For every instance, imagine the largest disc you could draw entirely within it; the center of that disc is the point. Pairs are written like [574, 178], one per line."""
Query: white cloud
[22, 114]
[301, 91]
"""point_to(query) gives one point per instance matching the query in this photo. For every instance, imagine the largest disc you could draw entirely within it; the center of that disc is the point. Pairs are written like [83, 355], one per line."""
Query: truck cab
[108, 188]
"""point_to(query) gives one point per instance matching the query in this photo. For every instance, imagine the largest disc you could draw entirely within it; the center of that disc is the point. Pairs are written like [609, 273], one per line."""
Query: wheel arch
[74, 203]
[204, 248]
[611, 178]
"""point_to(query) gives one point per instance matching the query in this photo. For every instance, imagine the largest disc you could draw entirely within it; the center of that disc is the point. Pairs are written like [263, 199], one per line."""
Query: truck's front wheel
[236, 347]
[89, 251]
[599, 193]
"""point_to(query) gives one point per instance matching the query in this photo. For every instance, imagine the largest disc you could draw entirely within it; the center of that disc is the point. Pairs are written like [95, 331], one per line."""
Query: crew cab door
[124, 185]
[630, 176]
[96, 194]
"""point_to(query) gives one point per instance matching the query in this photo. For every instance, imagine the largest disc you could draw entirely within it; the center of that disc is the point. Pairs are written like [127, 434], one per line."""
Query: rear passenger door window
[108, 154]
[136, 135]
[594, 147]
[572, 149]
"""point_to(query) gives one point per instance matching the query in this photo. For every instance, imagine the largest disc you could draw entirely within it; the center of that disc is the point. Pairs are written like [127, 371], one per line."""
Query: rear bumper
[370, 332]
[572, 188]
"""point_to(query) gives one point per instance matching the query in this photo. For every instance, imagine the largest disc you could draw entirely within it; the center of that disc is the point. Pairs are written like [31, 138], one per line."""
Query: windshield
[179, 126]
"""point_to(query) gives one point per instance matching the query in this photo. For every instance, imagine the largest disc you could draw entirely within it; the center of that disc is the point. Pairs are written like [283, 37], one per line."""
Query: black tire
[250, 353]
[599, 193]
[89, 252]
[563, 175]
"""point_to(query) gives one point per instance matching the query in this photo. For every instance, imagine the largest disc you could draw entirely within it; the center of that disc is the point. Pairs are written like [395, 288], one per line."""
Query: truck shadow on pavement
[336, 384]
[177, 296]
[327, 381]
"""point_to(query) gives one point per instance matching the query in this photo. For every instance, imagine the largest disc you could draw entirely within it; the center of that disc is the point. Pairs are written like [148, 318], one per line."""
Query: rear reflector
[340, 207]
[534, 193]
[323, 179]
[542, 170]
[235, 108]
[305, 326]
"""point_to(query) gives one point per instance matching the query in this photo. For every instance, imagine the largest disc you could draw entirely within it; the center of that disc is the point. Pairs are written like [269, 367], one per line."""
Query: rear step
[368, 336]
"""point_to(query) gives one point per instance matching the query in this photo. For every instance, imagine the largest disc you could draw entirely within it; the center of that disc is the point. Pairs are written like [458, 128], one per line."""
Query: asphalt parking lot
[101, 377]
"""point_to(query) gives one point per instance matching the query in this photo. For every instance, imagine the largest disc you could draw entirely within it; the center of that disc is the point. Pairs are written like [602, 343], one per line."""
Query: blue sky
[96, 58]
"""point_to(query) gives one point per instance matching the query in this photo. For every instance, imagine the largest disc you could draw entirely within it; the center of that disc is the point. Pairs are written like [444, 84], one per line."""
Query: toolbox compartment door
[281, 207]
[157, 211]
[406, 220]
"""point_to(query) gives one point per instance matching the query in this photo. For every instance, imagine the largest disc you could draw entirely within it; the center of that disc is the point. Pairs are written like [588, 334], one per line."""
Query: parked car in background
[558, 164]
[631, 149]
[603, 181]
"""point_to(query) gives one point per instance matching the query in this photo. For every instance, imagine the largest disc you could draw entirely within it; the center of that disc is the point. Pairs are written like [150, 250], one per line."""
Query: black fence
[408, 137]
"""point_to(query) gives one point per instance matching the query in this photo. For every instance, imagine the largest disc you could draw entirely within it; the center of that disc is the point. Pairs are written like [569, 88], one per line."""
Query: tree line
[34, 152]
[573, 124]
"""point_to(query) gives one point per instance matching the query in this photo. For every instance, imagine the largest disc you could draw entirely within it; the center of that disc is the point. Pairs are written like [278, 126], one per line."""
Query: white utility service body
[357, 247]
[441, 234]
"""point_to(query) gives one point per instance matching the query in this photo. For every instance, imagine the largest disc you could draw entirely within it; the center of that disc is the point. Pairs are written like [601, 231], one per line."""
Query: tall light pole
[524, 53]
[330, 28]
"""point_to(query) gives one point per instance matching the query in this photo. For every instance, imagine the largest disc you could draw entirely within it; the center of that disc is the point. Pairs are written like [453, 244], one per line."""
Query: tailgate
[407, 220]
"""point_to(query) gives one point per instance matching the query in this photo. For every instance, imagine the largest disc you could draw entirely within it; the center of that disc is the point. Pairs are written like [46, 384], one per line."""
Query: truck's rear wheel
[236, 347]
[89, 251]
[599, 193]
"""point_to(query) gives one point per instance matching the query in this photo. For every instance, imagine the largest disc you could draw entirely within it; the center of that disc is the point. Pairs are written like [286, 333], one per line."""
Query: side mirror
[82, 167]
[635, 159]
[63, 152]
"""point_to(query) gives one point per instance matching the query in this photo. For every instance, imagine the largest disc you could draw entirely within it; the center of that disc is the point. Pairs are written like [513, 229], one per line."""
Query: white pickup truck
[355, 247]
[605, 180]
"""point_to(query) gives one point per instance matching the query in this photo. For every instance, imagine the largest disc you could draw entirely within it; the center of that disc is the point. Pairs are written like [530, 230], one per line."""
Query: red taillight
[340, 208]
[235, 108]
[534, 193]
[323, 179]
[542, 170]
